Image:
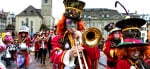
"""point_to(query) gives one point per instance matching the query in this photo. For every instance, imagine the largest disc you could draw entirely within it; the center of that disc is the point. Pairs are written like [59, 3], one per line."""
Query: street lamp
[89, 17]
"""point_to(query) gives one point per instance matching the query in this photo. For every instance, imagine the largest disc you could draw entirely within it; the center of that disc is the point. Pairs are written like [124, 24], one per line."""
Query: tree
[43, 27]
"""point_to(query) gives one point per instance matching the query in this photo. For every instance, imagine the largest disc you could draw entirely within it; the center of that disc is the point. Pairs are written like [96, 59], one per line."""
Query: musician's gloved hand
[73, 51]
[77, 34]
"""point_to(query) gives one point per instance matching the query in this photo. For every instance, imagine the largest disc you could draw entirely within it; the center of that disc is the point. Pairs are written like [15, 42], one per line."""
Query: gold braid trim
[133, 63]
[112, 53]
[74, 9]
[129, 28]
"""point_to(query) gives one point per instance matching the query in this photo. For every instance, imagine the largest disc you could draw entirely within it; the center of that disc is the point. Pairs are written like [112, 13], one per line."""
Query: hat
[73, 8]
[111, 27]
[24, 29]
[131, 32]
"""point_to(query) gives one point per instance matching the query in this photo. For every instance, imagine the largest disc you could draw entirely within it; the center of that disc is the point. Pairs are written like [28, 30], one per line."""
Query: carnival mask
[70, 25]
[116, 35]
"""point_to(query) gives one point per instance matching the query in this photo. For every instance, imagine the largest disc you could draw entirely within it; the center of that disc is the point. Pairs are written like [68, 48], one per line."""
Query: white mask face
[116, 35]
[70, 24]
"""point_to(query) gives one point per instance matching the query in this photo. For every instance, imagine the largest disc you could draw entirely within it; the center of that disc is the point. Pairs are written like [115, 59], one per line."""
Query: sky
[17, 6]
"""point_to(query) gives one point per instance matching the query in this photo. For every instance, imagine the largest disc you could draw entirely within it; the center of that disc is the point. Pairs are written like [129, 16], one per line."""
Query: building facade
[100, 17]
[33, 18]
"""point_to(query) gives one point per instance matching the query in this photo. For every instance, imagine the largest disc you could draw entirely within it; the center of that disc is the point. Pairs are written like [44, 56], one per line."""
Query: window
[107, 15]
[27, 21]
[22, 23]
[31, 26]
[45, 1]
[102, 16]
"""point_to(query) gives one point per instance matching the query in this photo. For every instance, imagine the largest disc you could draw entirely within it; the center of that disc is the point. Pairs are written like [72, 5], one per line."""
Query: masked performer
[24, 44]
[112, 40]
[66, 44]
[9, 53]
[131, 48]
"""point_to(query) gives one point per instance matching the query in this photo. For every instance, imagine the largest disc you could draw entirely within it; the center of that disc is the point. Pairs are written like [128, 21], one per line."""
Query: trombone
[90, 37]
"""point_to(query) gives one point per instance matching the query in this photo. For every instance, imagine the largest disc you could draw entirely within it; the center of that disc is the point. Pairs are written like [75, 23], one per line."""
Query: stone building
[3, 20]
[33, 18]
[99, 17]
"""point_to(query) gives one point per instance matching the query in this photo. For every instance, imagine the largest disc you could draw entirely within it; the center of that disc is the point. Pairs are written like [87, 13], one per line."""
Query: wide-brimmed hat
[111, 28]
[73, 8]
[131, 35]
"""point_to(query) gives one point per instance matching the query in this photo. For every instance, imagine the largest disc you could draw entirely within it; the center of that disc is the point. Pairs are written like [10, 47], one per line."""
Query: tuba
[91, 36]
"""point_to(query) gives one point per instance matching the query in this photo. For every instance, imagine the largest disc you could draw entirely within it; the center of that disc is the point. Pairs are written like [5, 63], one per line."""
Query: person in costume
[131, 48]
[9, 53]
[2, 51]
[69, 29]
[111, 42]
[43, 47]
[36, 44]
[50, 37]
[24, 44]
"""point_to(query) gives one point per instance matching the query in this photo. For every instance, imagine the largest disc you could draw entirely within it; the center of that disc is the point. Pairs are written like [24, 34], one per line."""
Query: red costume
[64, 41]
[130, 50]
[109, 45]
[24, 38]
[57, 54]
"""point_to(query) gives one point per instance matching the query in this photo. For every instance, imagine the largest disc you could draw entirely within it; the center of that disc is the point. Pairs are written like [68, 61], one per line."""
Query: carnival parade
[74, 42]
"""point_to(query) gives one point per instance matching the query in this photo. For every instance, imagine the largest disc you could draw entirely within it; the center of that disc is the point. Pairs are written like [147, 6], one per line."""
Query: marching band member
[43, 47]
[24, 36]
[131, 48]
[69, 29]
[24, 44]
[112, 40]
[36, 44]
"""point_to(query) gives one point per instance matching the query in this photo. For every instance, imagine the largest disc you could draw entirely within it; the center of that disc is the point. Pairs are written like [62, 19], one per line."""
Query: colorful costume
[24, 44]
[65, 41]
[43, 47]
[131, 48]
[111, 42]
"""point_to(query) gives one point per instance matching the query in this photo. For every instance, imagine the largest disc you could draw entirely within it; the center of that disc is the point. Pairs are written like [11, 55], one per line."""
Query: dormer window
[31, 11]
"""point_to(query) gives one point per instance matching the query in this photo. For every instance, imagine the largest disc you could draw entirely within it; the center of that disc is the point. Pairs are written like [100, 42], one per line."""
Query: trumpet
[90, 37]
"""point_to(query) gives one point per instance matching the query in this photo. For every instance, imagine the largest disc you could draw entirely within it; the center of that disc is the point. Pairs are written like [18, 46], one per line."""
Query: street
[35, 64]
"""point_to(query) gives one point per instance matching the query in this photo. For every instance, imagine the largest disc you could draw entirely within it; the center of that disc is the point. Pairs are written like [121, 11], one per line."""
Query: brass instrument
[90, 37]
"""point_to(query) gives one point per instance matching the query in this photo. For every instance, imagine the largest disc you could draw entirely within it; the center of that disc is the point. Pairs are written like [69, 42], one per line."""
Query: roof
[30, 11]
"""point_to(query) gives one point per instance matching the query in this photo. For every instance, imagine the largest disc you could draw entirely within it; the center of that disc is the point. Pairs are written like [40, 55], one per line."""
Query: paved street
[35, 64]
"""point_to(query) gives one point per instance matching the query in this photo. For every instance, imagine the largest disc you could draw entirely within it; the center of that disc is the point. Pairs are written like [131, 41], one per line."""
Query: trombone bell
[91, 36]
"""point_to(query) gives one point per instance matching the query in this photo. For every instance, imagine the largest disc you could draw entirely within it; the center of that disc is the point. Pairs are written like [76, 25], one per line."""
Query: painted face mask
[116, 35]
[70, 24]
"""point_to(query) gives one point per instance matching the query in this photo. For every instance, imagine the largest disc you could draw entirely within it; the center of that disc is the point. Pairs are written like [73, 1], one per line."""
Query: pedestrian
[131, 48]
[65, 45]
[111, 42]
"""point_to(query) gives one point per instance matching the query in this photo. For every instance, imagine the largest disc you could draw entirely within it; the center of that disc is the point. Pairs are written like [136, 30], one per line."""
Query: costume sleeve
[57, 52]
[108, 50]
[93, 53]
